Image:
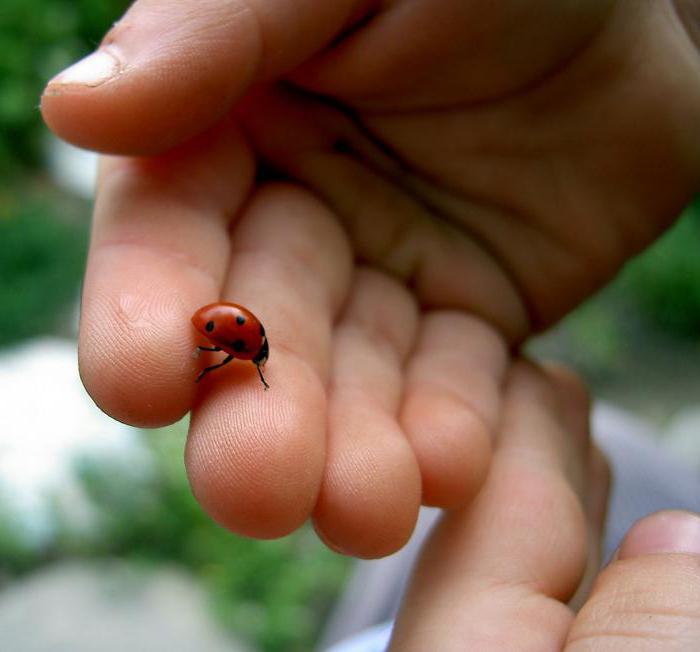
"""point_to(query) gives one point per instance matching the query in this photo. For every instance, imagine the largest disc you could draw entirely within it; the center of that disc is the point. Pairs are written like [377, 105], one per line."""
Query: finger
[649, 597]
[599, 489]
[596, 506]
[255, 458]
[495, 575]
[575, 405]
[394, 61]
[168, 70]
[574, 401]
[370, 495]
[159, 251]
[451, 404]
[574, 410]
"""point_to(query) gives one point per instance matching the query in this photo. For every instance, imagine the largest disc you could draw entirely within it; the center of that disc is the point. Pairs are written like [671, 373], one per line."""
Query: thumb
[649, 596]
[168, 70]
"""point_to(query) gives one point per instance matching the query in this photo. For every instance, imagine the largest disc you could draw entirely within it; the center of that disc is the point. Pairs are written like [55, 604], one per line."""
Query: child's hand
[511, 571]
[459, 175]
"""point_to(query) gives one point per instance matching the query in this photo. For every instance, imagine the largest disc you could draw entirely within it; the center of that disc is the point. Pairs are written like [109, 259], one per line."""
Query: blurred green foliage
[42, 255]
[18, 554]
[276, 594]
[42, 245]
[654, 303]
[665, 280]
[37, 39]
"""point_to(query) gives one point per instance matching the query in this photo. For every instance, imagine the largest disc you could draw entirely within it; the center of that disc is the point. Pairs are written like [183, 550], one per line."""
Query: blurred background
[97, 524]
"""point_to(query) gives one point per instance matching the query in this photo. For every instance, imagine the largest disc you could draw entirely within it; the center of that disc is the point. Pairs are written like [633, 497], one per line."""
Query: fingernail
[93, 70]
[670, 531]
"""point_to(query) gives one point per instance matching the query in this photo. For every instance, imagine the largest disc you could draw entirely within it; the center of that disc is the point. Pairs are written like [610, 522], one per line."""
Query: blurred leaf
[41, 263]
[665, 280]
[37, 39]
[17, 552]
[275, 593]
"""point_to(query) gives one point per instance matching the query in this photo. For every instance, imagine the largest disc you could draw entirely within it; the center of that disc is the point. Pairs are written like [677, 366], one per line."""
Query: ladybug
[234, 330]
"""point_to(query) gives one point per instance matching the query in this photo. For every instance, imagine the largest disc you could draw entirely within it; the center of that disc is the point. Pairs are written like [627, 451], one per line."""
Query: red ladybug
[235, 330]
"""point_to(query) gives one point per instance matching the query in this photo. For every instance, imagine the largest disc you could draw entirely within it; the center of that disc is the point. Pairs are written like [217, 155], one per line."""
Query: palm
[452, 197]
[509, 193]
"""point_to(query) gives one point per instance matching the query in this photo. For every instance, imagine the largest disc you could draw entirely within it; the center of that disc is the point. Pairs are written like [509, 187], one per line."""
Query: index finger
[159, 250]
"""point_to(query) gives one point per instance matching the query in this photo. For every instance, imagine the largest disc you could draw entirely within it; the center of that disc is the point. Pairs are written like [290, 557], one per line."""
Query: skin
[473, 171]
[547, 490]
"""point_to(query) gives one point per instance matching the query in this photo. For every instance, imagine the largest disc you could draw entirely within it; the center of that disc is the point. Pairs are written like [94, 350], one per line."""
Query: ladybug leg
[209, 348]
[216, 366]
[260, 373]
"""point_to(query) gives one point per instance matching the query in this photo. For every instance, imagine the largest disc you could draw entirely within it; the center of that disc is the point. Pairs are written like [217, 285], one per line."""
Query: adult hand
[503, 573]
[464, 174]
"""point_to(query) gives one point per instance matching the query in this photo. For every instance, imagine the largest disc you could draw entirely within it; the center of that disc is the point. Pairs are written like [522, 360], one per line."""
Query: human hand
[518, 569]
[477, 171]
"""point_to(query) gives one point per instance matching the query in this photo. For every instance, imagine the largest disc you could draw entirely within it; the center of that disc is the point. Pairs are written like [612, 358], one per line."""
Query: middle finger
[255, 458]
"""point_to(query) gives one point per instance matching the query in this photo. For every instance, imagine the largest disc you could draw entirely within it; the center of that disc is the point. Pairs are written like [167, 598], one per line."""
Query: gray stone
[109, 606]
[682, 436]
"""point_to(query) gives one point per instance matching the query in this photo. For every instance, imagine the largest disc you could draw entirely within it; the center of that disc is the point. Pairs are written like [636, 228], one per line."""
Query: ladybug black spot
[238, 345]
[240, 320]
[262, 331]
[209, 327]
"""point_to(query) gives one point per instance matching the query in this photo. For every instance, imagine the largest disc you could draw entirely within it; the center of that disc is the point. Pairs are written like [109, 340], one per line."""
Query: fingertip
[134, 399]
[452, 445]
[129, 114]
[650, 591]
[128, 378]
[158, 78]
[255, 458]
[669, 531]
[369, 501]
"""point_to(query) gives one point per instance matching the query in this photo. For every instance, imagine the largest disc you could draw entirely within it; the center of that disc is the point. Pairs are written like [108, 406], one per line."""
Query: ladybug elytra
[235, 330]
